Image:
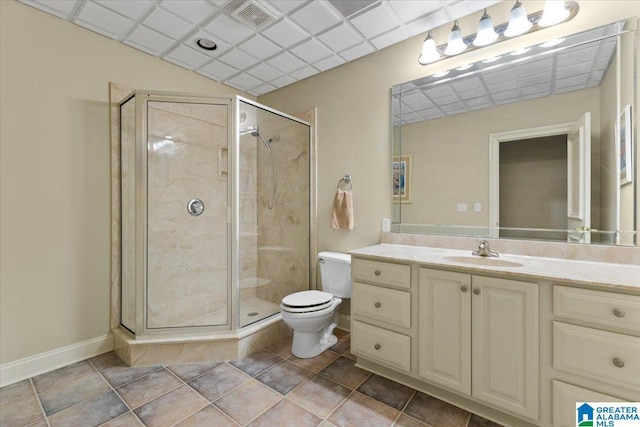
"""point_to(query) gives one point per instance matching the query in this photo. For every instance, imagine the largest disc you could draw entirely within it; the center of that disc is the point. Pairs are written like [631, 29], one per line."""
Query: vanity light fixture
[520, 51]
[554, 12]
[441, 73]
[486, 33]
[552, 43]
[490, 60]
[464, 67]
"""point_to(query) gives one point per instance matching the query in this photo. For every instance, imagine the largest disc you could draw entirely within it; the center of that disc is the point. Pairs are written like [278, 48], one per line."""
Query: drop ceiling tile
[497, 77]
[187, 57]
[535, 80]
[316, 16]
[228, 29]
[356, 51]
[283, 81]
[259, 47]
[572, 81]
[395, 104]
[413, 98]
[303, 73]
[262, 89]
[286, 6]
[218, 70]
[504, 86]
[577, 56]
[439, 91]
[536, 67]
[411, 117]
[421, 106]
[509, 94]
[341, 37]
[596, 78]
[601, 63]
[392, 37]
[473, 93]
[409, 10]
[220, 3]
[375, 21]
[583, 68]
[480, 106]
[104, 20]
[286, 62]
[449, 99]
[427, 23]
[456, 107]
[132, 9]
[148, 40]
[194, 11]
[535, 95]
[507, 101]
[167, 24]
[568, 89]
[539, 88]
[470, 83]
[464, 8]
[238, 59]
[328, 63]
[60, 8]
[245, 81]
[264, 72]
[311, 51]
[285, 33]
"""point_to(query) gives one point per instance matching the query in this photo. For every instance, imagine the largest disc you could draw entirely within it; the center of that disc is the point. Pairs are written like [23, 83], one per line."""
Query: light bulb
[429, 51]
[553, 13]
[486, 33]
[518, 21]
[455, 44]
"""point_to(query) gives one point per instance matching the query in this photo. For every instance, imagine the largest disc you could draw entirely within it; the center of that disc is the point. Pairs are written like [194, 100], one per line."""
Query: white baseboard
[28, 367]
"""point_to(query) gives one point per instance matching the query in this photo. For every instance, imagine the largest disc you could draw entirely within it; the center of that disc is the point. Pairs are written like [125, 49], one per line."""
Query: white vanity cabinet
[596, 342]
[479, 336]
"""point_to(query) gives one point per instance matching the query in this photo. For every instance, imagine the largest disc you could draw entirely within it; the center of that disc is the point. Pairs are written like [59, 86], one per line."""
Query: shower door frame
[234, 158]
[142, 99]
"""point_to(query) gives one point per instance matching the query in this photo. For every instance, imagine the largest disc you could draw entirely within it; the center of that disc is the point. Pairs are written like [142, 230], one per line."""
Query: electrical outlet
[477, 207]
[462, 207]
[386, 225]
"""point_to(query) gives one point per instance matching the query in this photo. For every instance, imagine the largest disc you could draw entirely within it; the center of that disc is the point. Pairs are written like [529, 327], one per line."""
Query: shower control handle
[195, 207]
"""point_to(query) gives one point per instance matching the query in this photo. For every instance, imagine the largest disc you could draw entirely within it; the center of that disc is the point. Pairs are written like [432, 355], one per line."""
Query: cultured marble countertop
[615, 276]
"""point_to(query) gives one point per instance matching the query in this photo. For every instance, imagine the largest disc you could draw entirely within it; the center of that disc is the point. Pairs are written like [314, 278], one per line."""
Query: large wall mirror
[537, 144]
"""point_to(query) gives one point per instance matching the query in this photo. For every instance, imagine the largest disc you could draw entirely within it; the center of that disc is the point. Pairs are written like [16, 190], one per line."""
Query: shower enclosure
[215, 207]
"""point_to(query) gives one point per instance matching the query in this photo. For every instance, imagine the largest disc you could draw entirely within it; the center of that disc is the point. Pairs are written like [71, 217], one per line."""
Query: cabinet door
[565, 397]
[444, 352]
[505, 344]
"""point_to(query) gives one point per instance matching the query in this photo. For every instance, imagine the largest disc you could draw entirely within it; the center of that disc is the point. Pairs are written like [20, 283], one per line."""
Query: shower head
[253, 131]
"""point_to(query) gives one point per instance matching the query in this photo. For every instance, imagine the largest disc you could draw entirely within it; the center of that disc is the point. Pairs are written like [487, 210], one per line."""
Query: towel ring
[347, 180]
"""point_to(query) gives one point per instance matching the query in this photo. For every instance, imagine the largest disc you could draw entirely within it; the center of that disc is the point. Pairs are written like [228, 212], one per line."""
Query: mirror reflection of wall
[446, 128]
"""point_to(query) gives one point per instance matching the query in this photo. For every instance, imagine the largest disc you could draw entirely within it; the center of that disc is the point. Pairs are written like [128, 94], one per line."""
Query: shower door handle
[195, 207]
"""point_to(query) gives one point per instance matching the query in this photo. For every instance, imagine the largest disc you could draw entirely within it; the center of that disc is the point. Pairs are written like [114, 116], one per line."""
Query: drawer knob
[476, 291]
[618, 313]
[618, 363]
[377, 305]
[464, 288]
[377, 346]
[377, 272]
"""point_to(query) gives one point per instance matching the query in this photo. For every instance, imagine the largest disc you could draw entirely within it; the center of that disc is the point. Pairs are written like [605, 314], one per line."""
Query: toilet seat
[307, 301]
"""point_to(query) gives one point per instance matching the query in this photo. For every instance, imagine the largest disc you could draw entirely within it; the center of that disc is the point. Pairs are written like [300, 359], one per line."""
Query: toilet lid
[307, 299]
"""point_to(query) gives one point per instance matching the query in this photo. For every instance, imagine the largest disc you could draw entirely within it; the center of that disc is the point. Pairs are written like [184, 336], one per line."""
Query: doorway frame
[494, 163]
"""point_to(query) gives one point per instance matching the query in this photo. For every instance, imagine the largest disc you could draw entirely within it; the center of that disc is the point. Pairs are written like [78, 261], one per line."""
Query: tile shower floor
[269, 388]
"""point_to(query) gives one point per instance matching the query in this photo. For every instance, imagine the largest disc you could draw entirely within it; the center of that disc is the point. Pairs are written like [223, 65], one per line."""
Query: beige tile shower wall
[283, 243]
[354, 109]
[248, 213]
[55, 150]
[187, 255]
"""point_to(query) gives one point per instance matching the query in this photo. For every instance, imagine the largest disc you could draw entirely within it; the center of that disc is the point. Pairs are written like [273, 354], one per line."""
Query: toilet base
[310, 344]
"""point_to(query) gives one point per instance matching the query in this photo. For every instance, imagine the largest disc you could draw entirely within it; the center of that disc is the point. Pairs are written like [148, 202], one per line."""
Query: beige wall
[353, 108]
[55, 191]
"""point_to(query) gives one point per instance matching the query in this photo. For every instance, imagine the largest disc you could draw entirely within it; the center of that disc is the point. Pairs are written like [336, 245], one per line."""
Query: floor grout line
[33, 387]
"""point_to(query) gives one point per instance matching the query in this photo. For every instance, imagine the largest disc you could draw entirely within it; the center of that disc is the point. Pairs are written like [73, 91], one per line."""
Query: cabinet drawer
[380, 345]
[565, 397]
[604, 356]
[383, 273]
[604, 308]
[386, 305]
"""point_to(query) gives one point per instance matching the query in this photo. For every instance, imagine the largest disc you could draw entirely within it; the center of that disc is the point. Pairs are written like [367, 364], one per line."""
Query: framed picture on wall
[402, 178]
[625, 146]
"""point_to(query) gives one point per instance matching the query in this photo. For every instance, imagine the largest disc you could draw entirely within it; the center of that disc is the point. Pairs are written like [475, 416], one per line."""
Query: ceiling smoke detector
[253, 15]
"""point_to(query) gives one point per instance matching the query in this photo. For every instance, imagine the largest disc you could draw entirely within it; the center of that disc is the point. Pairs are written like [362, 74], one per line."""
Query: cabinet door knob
[464, 288]
[377, 305]
[618, 313]
[377, 346]
[377, 272]
[618, 363]
[476, 291]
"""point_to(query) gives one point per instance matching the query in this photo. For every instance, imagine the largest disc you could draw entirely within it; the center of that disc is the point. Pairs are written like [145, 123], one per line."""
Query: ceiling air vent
[251, 14]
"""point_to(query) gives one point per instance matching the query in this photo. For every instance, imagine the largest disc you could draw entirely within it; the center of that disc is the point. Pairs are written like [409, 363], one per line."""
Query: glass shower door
[187, 198]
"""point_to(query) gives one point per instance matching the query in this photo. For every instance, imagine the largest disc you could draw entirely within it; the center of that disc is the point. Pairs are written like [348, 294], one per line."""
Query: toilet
[313, 314]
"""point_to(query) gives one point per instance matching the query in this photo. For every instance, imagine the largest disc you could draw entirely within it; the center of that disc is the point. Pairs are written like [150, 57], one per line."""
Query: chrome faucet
[485, 250]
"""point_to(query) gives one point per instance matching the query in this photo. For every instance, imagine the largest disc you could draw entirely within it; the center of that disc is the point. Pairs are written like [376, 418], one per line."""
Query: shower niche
[215, 224]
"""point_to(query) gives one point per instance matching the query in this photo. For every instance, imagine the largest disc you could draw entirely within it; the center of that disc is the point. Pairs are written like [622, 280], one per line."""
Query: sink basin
[486, 261]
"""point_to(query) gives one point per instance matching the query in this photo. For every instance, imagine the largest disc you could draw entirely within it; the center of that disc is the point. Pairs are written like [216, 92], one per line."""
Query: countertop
[623, 277]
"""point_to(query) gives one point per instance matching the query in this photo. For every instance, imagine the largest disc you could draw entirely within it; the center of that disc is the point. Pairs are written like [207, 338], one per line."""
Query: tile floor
[269, 388]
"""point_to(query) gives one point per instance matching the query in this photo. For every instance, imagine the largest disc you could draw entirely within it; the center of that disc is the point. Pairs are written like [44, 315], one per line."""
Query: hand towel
[342, 214]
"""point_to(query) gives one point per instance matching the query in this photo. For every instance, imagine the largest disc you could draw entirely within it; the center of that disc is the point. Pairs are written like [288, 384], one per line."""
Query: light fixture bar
[533, 18]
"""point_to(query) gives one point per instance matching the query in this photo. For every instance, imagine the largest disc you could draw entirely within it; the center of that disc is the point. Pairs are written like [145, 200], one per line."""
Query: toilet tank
[335, 273]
